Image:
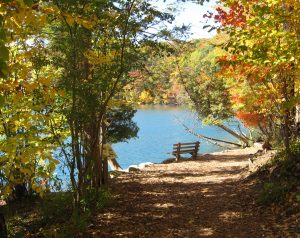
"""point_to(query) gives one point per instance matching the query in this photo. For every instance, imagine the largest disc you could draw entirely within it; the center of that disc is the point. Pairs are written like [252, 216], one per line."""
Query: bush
[93, 201]
[54, 215]
[295, 148]
[274, 192]
[56, 207]
[283, 175]
[96, 200]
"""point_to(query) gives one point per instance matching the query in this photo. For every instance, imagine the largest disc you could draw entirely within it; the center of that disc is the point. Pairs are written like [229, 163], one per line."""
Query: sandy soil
[196, 198]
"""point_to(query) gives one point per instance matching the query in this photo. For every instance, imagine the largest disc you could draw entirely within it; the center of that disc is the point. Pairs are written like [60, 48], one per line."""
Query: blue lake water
[159, 130]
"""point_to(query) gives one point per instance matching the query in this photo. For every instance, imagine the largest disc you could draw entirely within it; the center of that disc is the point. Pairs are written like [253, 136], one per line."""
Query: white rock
[144, 165]
[258, 145]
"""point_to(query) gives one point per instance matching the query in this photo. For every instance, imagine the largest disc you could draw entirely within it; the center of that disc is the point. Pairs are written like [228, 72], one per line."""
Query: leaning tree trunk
[233, 133]
[211, 140]
[114, 165]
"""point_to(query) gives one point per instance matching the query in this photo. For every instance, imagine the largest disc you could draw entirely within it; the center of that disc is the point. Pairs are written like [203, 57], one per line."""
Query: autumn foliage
[63, 69]
[251, 119]
[234, 16]
[262, 59]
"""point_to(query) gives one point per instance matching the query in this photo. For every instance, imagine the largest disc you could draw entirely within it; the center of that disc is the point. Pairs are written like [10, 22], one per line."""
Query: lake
[159, 130]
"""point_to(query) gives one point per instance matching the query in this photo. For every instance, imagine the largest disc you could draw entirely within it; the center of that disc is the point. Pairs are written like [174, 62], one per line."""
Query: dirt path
[200, 198]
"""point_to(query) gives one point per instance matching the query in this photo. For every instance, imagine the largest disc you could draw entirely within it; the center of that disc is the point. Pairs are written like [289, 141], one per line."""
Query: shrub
[283, 175]
[274, 192]
[96, 200]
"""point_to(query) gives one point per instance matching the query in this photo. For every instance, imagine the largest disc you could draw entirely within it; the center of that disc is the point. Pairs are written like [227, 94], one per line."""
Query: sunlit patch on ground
[206, 231]
[164, 205]
[229, 216]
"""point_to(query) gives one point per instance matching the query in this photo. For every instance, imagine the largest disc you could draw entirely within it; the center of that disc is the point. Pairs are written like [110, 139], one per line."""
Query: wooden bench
[186, 148]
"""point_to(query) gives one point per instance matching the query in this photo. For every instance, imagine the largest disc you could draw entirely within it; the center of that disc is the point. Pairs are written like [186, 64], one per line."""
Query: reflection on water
[159, 130]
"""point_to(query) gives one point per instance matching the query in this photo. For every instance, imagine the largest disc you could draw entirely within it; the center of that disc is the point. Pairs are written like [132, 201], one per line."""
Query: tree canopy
[63, 69]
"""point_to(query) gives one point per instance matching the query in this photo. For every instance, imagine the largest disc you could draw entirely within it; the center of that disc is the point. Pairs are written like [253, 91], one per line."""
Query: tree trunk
[104, 160]
[286, 133]
[3, 229]
[233, 133]
[211, 140]
[114, 165]
[105, 173]
[96, 155]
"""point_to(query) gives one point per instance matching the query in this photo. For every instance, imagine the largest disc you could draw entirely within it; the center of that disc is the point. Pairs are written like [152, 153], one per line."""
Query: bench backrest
[191, 145]
[186, 148]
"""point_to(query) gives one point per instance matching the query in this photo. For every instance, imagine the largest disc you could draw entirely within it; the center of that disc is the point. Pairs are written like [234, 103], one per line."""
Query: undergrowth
[283, 181]
[53, 216]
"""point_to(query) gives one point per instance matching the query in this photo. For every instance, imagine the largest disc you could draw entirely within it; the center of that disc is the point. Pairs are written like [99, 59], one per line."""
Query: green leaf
[2, 35]
[2, 100]
[4, 53]
[28, 2]
[3, 69]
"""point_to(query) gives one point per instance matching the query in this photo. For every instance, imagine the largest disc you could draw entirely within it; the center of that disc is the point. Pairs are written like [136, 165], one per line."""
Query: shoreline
[237, 151]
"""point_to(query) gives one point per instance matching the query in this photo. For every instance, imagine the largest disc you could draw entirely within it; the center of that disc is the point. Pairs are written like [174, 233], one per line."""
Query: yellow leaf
[15, 22]
[70, 20]
[51, 10]
[26, 171]
[45, 81]
[145, 97]
[30, 87]
[38, 189]
[56, 162]
[7, 190]
[24, 159]
[85, 23]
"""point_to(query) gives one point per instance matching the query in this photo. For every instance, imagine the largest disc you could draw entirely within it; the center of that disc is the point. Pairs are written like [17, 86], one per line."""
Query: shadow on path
[200, 198]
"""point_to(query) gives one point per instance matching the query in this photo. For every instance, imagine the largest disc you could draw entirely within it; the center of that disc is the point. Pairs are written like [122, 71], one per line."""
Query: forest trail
[194, 198]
